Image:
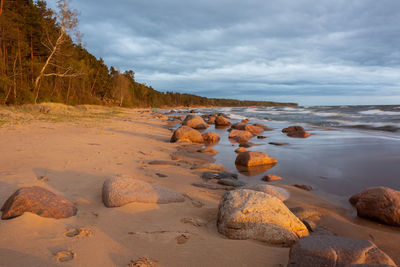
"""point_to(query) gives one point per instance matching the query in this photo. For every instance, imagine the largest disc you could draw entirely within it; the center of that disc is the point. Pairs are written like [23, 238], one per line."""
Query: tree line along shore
[43, 60]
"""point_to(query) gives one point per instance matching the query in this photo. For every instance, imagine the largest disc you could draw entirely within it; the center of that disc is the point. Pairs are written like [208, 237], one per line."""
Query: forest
[42, 60]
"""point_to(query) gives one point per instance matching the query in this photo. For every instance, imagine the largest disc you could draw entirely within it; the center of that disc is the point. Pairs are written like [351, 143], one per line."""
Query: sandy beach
[71, 151]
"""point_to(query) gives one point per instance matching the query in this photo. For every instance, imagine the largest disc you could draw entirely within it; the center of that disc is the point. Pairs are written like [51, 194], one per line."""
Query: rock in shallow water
[121, 191]
[195, 122]
[253, 158]
[37, 200]
[248, 214]
[186, 133]
[328, 250]
[378, 203]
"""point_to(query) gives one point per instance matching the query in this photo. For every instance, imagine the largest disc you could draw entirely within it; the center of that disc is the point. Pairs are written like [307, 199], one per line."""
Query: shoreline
[76, 155]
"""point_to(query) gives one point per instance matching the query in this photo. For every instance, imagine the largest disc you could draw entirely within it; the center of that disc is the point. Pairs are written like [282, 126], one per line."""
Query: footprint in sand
[195, 203]
[144, 262]
[182, 238]
[63, 256]
[193, 221]
[77, 232]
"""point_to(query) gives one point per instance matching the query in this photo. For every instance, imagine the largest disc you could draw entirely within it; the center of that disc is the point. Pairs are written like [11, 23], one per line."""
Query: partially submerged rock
[296, 131]
[208, 150]
[240, 150]
[195, 122]
[271, 178]
[253, 158]
[210, 138]
[219, 175]
[280, 193]
[248, 214]
[381, 204]
[222, 121]
[329, 250]
[278, 143]
[37, 200]
[121, 191]
[209, 166]
[239, 133]
[303, 186]
[186, 133]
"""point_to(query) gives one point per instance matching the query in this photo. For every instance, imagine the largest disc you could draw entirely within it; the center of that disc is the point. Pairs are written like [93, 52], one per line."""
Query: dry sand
[71, 151]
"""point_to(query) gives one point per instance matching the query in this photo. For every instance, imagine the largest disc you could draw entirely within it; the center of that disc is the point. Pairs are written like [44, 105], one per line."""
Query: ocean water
[351, 147]
[375, 117]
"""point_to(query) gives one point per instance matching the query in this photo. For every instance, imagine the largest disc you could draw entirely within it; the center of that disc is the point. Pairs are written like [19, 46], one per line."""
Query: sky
[312, 52]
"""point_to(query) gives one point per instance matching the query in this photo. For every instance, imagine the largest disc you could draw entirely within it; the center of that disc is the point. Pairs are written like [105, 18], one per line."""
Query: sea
[350, 148]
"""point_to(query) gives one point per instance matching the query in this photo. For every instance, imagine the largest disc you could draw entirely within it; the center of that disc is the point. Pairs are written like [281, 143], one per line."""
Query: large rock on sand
[248, 214]
[381, 204]
[195, 122]
[222, 121]
[253, 158]
[37, 200]
[330, 250]
[278, 192]
[186, 133]
[121, 191]
[211, 138]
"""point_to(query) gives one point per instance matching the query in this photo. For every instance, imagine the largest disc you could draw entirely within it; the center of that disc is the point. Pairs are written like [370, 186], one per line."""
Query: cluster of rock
[296, 131]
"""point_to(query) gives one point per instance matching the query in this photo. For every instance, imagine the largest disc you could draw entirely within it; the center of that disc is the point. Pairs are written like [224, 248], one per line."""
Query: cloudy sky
[311, 52]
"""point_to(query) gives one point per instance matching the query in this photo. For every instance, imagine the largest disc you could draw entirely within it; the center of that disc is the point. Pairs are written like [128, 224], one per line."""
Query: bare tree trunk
[1, 7]
[94, 82]
[15, 79]
[38, 78]
[69, 89]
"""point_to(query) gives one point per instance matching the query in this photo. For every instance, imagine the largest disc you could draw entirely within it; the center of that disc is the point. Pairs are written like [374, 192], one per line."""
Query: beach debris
[212, 186]
[219, 175]
[208, 150]
[271, 178]
[37, 200]
[195, 122]
[296, 131]
[43, 178]
[261, 137]
[304, 187]
[278, 192]
[278, 143]
[239, 133]
[240, 150]
[209, 166]
[222, 121]
[144, 262]
[162, 162]
[329, 250]
[185, 133]
[63, 256]
[77, 232]
[248, 214]
[380, 204]
[161, 175]
[210, 138]
[193, 221]
[121, 191]
[231, 182]
[253, 158]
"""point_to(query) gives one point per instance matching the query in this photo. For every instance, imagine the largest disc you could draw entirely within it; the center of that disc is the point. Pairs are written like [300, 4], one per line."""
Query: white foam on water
[379, 112]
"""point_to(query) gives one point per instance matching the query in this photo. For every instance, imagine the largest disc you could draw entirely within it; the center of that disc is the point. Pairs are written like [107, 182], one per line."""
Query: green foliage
[28, 33]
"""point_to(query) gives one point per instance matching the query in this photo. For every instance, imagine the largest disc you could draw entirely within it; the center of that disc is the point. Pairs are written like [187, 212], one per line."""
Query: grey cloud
[242, 48]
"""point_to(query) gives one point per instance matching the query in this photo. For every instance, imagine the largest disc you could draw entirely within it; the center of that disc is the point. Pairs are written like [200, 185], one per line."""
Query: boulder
[330, 250]
[266, 128]
[195, 122]
[222, 121]
[248, 214]
[239, 133]
[186, 133]
[211, 120]
[296, 131]
[37, 200]
[271, 178]
[240, 150]
[121, 191]
[211, 138]
[280, 193]
[245, 127]
[253, 158]
[381, 204]
[240, 139]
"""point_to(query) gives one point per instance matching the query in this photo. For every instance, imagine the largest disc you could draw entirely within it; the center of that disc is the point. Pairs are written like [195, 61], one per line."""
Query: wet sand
[73, 155]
